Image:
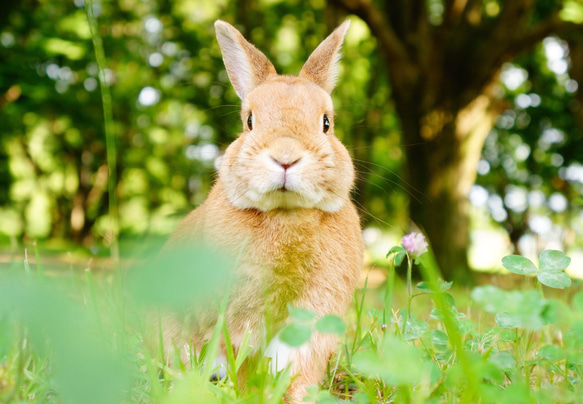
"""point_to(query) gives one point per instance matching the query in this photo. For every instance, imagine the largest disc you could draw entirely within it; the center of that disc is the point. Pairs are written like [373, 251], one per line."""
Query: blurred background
[464, 118]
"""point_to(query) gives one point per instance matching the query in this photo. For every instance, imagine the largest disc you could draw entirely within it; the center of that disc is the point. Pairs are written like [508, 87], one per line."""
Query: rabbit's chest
[285, 263]
[288, 249]
[279, 265]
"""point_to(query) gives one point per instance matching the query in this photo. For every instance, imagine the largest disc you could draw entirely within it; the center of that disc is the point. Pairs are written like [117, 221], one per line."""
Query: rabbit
[281, 205]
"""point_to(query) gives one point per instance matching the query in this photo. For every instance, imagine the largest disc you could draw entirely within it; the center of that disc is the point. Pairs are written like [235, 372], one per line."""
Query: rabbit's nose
[285, 165]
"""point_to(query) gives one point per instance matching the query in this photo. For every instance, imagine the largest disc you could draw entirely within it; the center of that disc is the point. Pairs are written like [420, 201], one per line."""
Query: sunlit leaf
[552, 353]
[519, 265]
[400, 257]
[388, 362]
[181, 277]
[190, 388]
[295, 334]
[449, 300]
[507, 320]
[513, 309]
[465, 326]
[558, 280]
[514, 393]
[502, 359]
[439, 339]
[572, 11]
[331, 324]
[414, 329]
[58, 46]
[575, 358]
[489, 297]
[553, 261]
[396, 249]
[426, 287]
[574, 336]
[301, 315]
[7, 339]
[577, 301]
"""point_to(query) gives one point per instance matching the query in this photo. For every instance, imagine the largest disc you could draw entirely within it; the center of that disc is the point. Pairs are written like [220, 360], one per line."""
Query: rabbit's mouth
[284, 187]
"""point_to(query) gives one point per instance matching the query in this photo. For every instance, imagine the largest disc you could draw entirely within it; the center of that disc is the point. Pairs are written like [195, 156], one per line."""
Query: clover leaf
[519, 265]
[553, 261]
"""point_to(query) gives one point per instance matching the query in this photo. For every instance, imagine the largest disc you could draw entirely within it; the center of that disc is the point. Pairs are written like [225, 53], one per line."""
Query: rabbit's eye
[250, 122]
[326, 124]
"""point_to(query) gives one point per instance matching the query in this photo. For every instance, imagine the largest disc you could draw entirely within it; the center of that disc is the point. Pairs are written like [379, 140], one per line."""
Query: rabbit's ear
[321, 67]
[246, 66]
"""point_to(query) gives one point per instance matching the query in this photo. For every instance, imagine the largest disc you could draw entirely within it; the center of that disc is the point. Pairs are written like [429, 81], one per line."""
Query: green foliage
[305, 322]
[519, 265]
[84, 367]
[172, 103]
[331, 324]
[550, 273]
[442, 286]
[296, 334]
[173, 111]
[531, 153]
[525, 309]
[400, 254]
[435, 354]
[396, 362]
[180, 278]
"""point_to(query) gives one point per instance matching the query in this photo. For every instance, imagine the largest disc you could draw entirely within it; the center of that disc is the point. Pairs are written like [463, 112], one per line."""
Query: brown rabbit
[281, 204]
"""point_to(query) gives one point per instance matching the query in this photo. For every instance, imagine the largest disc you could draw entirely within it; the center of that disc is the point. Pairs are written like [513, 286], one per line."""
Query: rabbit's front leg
[307, 362]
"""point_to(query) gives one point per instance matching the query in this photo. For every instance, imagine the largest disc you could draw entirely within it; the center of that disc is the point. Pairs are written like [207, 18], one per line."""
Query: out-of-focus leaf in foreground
[181, 277]
[85, 369]
[396, 362]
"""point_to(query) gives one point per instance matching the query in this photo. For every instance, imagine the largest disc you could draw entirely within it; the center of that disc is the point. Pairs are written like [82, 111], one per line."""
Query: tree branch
[551, 26]
[576, 72]
[453, 11]
[513, 14]
[414, 14]
[520, 43]
[461, 19]
[470, 8]
[391, 44]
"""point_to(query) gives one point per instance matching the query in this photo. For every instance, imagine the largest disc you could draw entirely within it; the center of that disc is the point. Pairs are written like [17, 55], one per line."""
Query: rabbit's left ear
[246, 66]
[321, 67]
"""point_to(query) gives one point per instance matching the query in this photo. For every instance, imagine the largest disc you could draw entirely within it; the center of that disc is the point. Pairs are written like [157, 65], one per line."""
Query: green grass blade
[39, 268]
[106, 100]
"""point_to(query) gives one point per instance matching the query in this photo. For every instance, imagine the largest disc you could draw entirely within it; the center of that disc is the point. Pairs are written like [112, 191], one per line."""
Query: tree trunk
[442, 72]
[443, 147]
[576, 72]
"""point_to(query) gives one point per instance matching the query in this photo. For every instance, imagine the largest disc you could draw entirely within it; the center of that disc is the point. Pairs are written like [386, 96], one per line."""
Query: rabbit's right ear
[321, 67]
[246, 66]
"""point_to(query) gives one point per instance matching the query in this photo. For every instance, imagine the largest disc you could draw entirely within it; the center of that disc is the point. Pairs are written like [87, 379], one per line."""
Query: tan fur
[301, 246]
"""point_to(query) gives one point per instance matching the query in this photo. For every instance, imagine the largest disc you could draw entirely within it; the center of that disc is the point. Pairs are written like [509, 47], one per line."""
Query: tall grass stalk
[26, 264]
[39, 268]
[109, 128]
[389, 291]
[431, 273]
[409, 292]
[92, 295]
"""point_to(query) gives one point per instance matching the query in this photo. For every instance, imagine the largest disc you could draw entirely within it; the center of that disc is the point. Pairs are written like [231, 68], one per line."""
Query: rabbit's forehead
[295, 95]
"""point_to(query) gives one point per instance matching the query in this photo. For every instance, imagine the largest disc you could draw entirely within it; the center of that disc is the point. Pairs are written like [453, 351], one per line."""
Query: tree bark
[442, 155]
[442, 78]
[576, 56]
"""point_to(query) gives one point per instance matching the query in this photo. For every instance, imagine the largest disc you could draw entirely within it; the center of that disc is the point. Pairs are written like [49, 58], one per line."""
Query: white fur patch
[262, 187]
[282, 355]
[219, 367]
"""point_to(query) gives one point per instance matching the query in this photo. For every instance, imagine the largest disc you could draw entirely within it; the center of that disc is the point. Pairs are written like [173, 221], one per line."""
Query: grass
[83, 335]
[75, 337]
